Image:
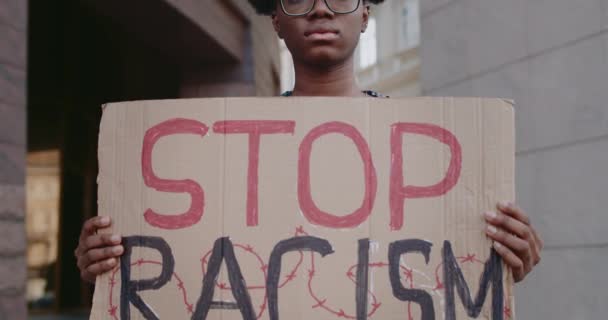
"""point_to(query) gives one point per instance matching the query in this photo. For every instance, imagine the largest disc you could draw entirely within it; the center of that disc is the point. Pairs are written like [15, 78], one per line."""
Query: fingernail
[491, 229]
[115, 238]
[111, 262]
[104, 220]
[504, 204]
[117, 250]
[497, 245]
[490, 214]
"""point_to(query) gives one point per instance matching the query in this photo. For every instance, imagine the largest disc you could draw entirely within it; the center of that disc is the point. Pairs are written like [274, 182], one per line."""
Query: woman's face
[321, 38]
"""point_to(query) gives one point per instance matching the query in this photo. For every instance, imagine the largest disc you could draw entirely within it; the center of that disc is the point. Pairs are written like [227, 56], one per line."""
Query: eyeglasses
[304, 7]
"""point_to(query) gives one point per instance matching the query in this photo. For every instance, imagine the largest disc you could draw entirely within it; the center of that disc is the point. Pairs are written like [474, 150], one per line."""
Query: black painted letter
[305, 243]
[421, 297]
[129, 288]
[452, 277]
[362, 279]
[224, 250]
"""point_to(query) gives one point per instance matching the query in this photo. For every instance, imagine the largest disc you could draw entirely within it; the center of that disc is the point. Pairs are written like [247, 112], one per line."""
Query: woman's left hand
[514, 238]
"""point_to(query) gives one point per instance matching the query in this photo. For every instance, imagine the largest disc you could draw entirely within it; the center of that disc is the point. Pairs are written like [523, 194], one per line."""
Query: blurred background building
[60, 60]
[551, 57]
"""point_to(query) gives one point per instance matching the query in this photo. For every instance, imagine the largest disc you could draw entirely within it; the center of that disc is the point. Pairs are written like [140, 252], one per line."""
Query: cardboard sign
[305, 208]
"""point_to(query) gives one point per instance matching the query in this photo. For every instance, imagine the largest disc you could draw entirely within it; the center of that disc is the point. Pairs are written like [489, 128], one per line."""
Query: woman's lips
[321, 34]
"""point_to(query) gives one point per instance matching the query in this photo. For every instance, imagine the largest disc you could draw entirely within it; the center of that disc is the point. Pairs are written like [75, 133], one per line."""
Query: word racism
[223, 251]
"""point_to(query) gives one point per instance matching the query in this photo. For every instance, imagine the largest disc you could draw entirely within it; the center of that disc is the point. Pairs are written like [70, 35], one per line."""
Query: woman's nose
[320, 9]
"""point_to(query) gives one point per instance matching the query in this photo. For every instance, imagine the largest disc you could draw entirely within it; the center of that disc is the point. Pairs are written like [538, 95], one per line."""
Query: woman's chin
[323, 56]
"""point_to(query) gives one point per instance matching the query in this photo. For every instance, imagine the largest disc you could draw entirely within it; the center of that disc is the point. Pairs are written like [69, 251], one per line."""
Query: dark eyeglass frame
[314, 2]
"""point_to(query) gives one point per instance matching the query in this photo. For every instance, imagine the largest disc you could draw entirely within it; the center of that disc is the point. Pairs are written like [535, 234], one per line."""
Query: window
[287, 71]
[42, 226]
[369, 45]
[409, 29]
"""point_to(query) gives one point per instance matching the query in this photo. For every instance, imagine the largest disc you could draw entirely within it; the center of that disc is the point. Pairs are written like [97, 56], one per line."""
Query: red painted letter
[398, 192]
[195, 212]
[309, 208]
[255, 128]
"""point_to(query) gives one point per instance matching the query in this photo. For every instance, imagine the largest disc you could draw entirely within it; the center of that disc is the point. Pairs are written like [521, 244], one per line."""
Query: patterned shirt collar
[369, 93]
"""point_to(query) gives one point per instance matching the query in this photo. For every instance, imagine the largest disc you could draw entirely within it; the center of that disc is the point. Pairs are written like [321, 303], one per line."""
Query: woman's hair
[267, 7]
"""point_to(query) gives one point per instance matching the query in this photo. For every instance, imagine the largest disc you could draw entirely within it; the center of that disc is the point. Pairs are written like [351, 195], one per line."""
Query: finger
[537, 246]
[96, 255]
[537, 239]
[81, 264]
[516, 265]
[83, 261]
[91, 225]
[77, 251]
[521, 248]
[515, 244]
[513, 211]
[508, 223]
[94, 241]
[100, 240]
[532, 236]
[88, 277]
[101, 267]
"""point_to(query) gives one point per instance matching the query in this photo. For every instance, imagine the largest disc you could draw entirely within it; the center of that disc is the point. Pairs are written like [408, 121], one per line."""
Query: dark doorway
[78, 60]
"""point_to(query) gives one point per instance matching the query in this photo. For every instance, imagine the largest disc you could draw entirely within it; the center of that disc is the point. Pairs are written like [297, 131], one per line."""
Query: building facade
[59, 62]
[387, 56]
[551, 57]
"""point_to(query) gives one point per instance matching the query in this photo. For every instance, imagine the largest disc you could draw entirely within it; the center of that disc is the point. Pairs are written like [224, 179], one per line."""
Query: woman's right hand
[97, 253]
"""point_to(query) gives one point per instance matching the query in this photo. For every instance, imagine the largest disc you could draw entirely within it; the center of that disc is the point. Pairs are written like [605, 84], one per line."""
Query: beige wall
[551, 57]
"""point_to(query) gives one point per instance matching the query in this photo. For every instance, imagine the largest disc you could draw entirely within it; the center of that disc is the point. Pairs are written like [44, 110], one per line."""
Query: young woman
[322, 36]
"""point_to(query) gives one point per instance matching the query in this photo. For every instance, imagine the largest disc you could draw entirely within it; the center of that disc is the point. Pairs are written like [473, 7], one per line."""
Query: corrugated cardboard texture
[400, 176]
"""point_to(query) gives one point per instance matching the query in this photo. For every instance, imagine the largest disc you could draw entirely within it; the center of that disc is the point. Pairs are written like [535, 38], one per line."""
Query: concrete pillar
[13, 66]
